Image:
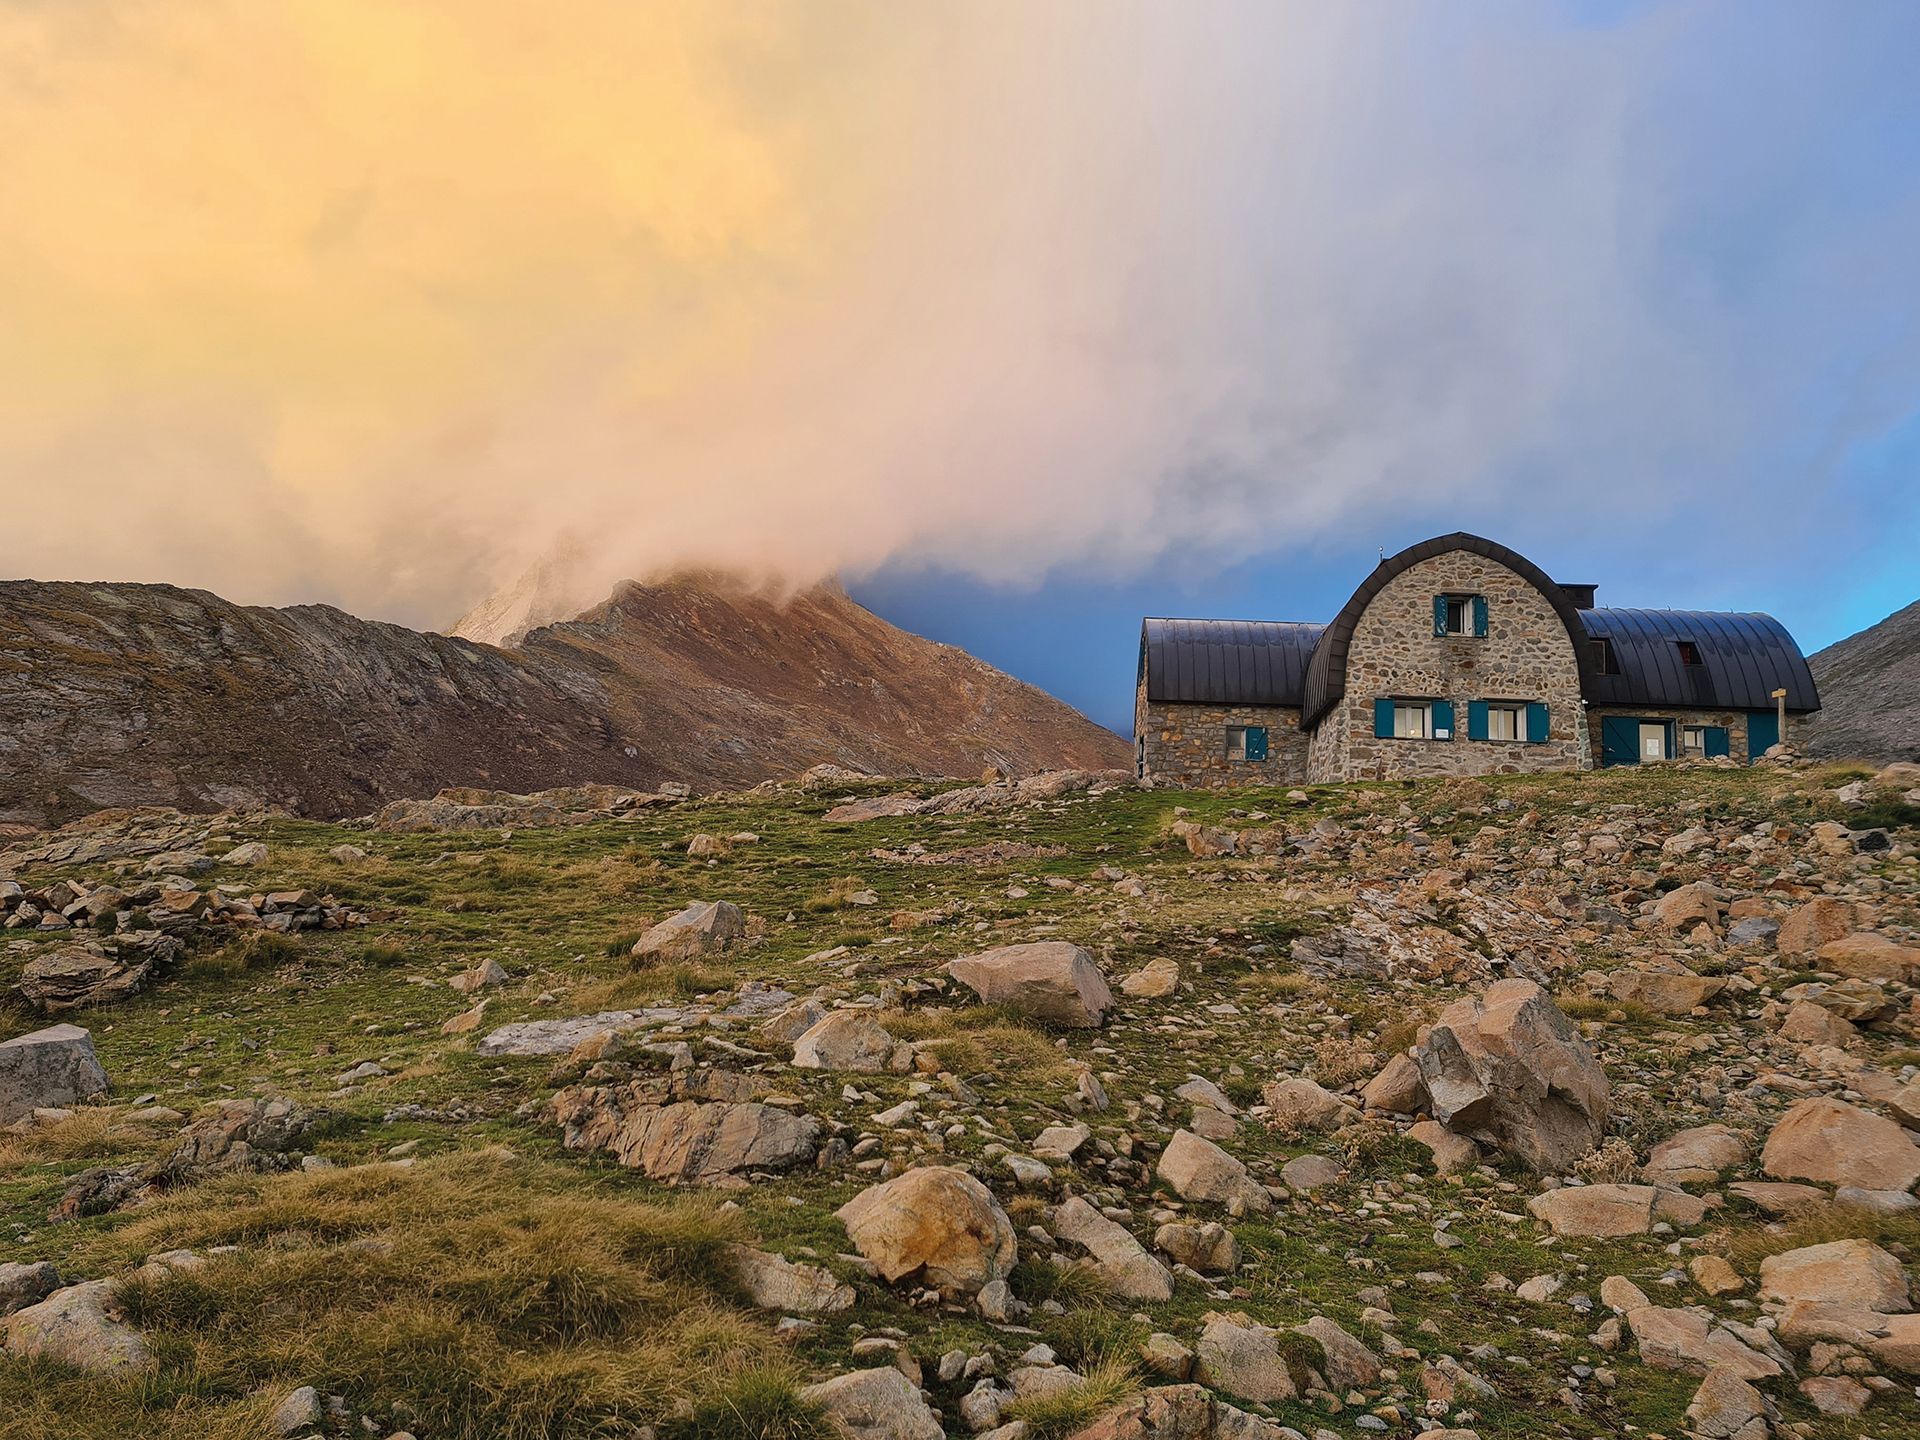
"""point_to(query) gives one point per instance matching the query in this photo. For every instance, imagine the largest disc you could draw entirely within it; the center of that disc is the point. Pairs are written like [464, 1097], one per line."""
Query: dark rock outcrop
[121, 694]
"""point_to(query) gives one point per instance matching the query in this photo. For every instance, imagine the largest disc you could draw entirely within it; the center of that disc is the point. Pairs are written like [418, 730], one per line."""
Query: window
[1693, 740]
[1246, 742]
[1604, 660]
[1396, 719]
[1460, 615]
[1653, 740]
[1689, 652]
[1505, 722]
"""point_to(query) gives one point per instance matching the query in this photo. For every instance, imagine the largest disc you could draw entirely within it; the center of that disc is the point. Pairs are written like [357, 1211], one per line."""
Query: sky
[1025, 319]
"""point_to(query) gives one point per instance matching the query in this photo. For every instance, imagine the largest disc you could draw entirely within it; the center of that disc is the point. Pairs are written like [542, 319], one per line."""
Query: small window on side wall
[1693, 740]
[1246, 742]
[1412, 720]
[1505, 722]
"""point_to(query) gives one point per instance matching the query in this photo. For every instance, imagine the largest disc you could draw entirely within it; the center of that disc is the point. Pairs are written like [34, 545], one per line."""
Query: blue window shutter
[1476, 719]
[1443, 717]
[1537, 722]
[1439, 615]
[1718, 741]
[1383, 719]
[1256, 742]
[1619, 740]
[1480, 616]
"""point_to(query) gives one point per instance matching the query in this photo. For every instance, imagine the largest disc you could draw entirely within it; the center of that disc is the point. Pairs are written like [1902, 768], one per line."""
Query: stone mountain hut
[1459, 657]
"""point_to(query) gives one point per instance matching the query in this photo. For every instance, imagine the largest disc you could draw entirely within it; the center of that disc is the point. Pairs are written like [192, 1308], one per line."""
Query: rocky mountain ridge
[125, 694]
[1870, 692]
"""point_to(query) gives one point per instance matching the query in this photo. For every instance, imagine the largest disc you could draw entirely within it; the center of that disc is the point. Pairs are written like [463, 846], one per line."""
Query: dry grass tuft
[1048, 1417]
[88, 1134]
[479, 1290]
[984, 1040]
[1820, 1226]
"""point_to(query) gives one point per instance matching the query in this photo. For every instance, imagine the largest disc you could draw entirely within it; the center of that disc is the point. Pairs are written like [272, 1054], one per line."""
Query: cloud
[379, 303]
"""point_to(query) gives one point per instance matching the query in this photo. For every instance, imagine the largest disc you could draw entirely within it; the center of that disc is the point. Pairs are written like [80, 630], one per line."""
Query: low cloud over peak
[381, 304]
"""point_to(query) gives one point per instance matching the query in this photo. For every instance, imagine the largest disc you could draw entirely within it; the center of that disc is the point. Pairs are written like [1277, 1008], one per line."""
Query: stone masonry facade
[1734, 722]
[1186, 745]
[1526, 655]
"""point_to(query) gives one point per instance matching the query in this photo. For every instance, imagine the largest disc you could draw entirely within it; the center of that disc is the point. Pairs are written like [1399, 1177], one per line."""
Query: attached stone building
[1458, 657]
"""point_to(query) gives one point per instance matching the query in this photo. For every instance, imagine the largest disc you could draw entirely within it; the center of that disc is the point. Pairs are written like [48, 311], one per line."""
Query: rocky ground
[1580, 1105]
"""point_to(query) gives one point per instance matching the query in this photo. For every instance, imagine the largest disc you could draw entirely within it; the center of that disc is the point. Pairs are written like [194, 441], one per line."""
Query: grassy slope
[514, 1292]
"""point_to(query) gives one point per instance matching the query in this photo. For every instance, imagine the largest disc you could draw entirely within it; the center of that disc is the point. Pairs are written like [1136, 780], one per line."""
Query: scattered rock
[775, 1283]
[1836, 1143]
[51, 1067]
[1505, 1068]
[1050, 980]
[1849, 1272]
[1122, 1261]
[850, 1040]
[82, 1326]
[935, 1223]
[703, 928]
[877, 1404]
[1198, 1169]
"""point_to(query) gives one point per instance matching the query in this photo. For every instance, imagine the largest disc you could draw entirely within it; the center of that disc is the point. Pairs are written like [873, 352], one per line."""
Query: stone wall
[1734, 721]
[1526, 655]
[1185, 746]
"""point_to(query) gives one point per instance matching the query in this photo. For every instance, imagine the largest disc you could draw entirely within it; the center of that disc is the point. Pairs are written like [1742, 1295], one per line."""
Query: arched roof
[1226, 662]
[1743, 659]
[1327, 669]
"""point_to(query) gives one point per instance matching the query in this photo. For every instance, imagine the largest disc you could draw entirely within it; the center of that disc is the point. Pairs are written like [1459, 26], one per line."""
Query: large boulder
[877, 1404]
[1398, 1087]
[1694, 1157]
[1691, 1340]
[702, 928]
[1119, 1259]
[1814, 924]
[1725, 1407]
[1835, 1143]
[695, 1125]
[1842, 1272]
[850, 1040]
[1299, 1106]
[1505, 1068]
[54, 1067]
[81, 1326]
[72, 978]
[1869, 956]
[934, 1222]
[1050, 980]
[1604, 1211]
[1198, 1169]
[1242, 1357]
[774, 1282]
[1163, 1412]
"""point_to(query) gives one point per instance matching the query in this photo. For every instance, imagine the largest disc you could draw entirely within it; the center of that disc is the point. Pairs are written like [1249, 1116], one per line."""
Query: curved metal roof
[1744, 658]
[1327, 669]
[1226, 662]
